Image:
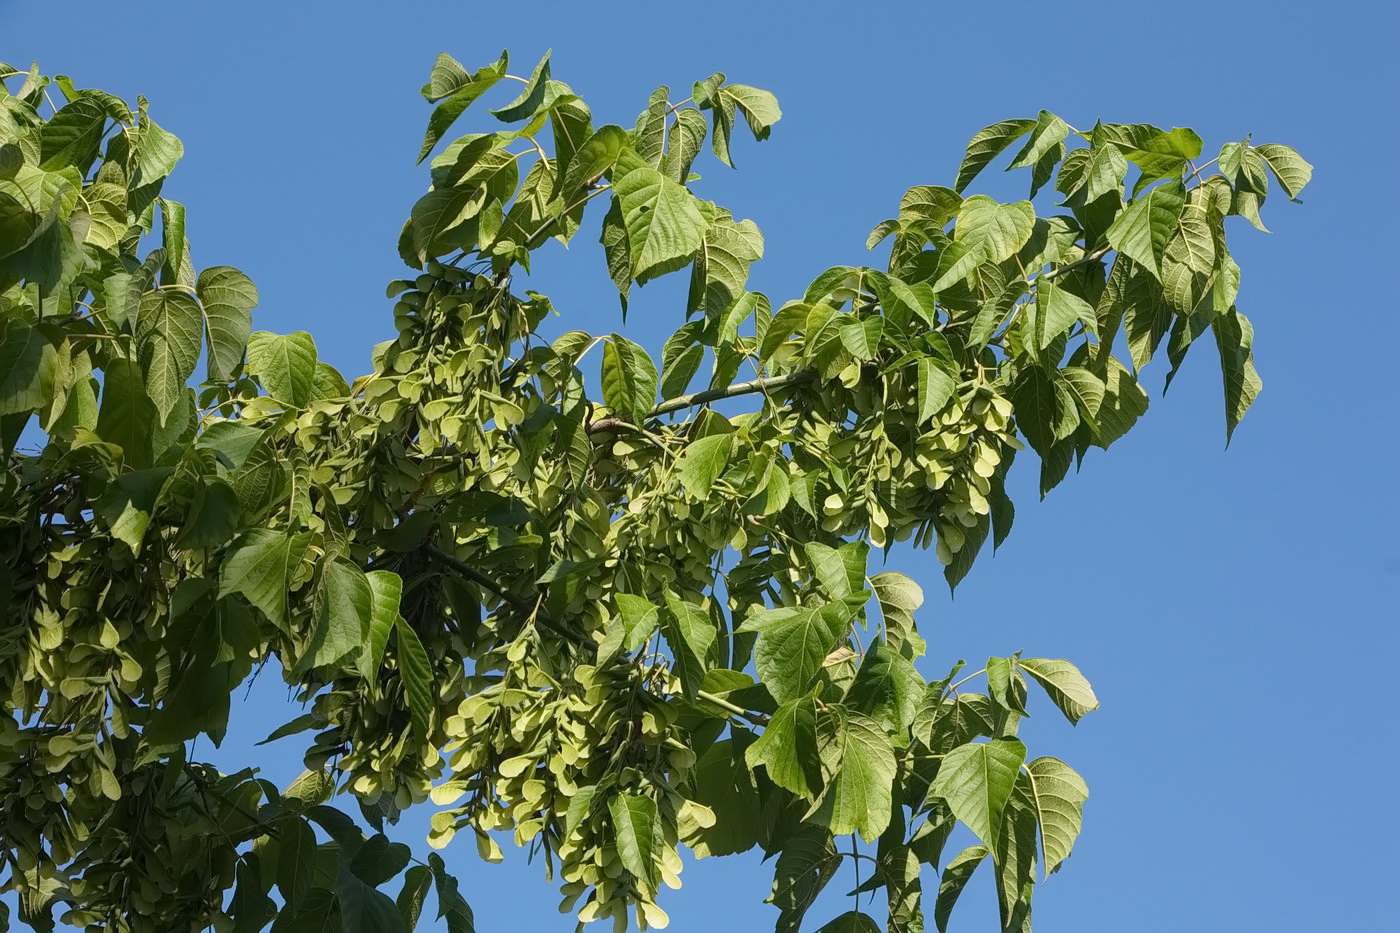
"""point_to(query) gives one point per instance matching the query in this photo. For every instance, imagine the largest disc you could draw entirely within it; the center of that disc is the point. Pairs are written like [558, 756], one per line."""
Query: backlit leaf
[986, 145]
[1142, 230]
[702, 462]
[1292, 170]
[664, 227]
[285, 364]
[976, 780]
[169, 331]
[635, 822]
[1234, 337]
[1059, 794]
[259, 568]
[858, 767]
[227, 298]
[792, 644]
[629, 378]
[417, 672]
[1062, 681]
[787, 749]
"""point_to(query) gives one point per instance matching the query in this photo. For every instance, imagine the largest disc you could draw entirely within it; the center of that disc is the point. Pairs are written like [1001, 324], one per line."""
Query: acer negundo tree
[605, 612]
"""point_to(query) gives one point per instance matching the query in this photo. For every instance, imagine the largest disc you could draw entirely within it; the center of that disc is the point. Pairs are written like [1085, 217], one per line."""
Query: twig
[621, 423]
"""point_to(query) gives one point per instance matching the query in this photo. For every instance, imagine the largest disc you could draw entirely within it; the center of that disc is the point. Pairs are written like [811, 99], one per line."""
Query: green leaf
[1099, 171]
[862, 338]
[841, 571]
[617, 251]
[1292, 170]
[1006, 686]
[597, 155]
[976, 780]
[129, 502]
[986, 145]
[664, 226]
[73, 134]
[680, 370]
[852, 921]
[1014, 855]
[1059, 794]
[416, 670]
[792, 644]
[691, 637]
[177, 269]
[386, 591]
[994, 231]
[310, 789]
[215, 515]
[639, 619]
[686, 139]
[1124, 402]
[1142, 230]
[858, 766]
[629, 378]
[650, 132]
[28, 365]
[702, 463]
[899, 597]
[451, 904]
[571, 123]
[760, 110]
[362, 908]
[1047, 137]
[1056, 310]
[723, 782]
[1158, 153]
[955, 877]
[1234, 337]
[250, 906]
[936, 387]
[759, 107]
[440, 212]
[127, 417]
[285, 365]
[1087, 390]
[635, 825]
[465, 90]
[157, 150]
[531, 96]
[228, 298]
[447, 77]
[887, 688]
[721, 268]
[416, 882]
[808, 861]
[1062, 681]
[169, 331]
[1037, 407]
[787, 749]
[296, 861]
[259, 568]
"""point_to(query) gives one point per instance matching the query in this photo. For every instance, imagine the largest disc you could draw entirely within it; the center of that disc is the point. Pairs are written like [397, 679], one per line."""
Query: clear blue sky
[1235, 610]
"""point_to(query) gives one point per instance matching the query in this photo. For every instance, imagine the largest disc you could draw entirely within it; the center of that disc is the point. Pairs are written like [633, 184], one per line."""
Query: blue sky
[1230, 607]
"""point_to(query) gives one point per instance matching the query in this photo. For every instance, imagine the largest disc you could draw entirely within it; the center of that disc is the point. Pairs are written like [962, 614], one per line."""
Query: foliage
[610, 616]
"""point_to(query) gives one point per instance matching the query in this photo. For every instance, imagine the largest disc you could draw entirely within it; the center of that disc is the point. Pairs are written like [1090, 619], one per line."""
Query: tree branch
[520, 604]
[559, 628]
[1095, 256]
[704, 398]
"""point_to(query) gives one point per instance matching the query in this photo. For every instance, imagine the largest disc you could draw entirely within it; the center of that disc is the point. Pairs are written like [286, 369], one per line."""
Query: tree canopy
[609, 604]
